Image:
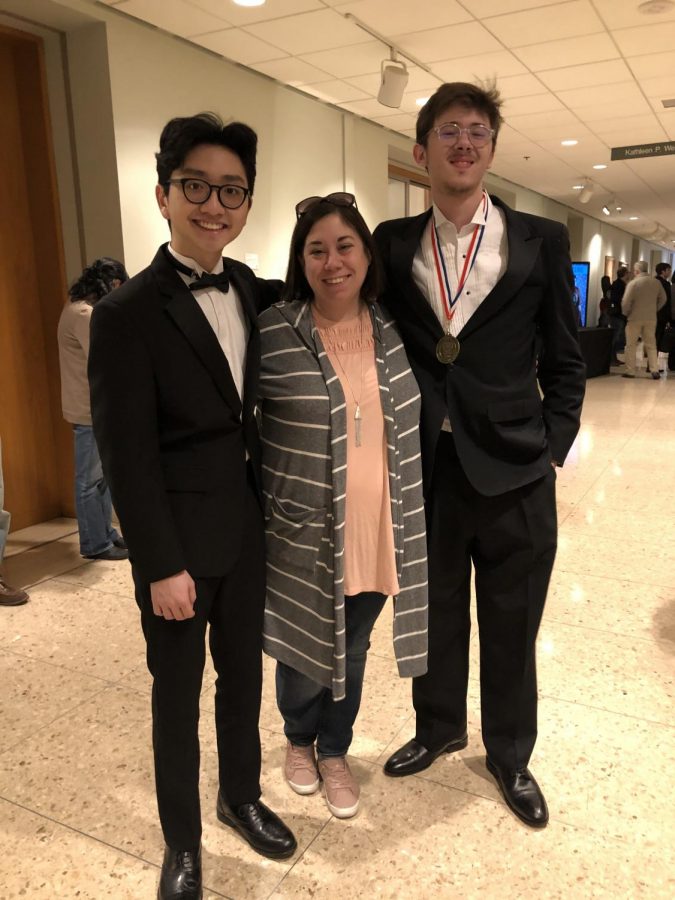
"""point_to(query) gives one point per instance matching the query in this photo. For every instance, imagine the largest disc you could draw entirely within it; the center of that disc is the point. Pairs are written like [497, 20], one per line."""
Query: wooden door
[36, 443]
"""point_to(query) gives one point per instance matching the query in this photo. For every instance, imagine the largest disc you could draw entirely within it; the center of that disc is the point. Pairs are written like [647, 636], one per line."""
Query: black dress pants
[510, 542]
[232, 606]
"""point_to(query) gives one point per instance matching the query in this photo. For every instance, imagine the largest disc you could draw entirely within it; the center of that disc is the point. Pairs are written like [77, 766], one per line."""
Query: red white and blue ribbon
[450, 302]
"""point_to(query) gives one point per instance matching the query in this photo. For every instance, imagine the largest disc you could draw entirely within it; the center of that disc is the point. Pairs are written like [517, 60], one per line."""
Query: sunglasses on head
[340, 198]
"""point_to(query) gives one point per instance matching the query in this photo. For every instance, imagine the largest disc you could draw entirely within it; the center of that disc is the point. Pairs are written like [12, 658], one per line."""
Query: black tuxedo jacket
[514, 394]
[169, 424]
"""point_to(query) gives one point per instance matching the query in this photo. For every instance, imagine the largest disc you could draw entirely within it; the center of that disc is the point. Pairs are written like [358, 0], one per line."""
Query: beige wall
[128, 79]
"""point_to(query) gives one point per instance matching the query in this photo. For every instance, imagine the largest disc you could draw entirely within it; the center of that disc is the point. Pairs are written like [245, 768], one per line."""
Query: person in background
[93, 504]
[642, 300]
[475, 287]
[617, 320]
[664, 317]
[603, 318]
[9, 596]
[343, 492]
[174, 362]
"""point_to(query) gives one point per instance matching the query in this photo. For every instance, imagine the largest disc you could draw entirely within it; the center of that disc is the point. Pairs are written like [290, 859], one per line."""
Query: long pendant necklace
[358, 418]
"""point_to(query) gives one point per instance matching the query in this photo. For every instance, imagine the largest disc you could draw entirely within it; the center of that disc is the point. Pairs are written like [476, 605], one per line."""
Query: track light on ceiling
[394, 72]
[587, 191]
[394, 81]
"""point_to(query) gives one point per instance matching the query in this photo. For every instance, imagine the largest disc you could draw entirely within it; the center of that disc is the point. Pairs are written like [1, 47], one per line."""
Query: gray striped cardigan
[304, 434]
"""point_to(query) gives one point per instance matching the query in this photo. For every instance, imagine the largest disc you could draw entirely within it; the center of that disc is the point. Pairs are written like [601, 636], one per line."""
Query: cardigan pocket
[294, 536]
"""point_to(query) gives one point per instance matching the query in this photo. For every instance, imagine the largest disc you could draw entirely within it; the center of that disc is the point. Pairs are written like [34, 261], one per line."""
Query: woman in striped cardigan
[343, 491]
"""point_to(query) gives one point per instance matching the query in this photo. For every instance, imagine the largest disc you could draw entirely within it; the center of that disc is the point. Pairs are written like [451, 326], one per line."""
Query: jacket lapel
[523, 253]
[417, 310]
[184, 310]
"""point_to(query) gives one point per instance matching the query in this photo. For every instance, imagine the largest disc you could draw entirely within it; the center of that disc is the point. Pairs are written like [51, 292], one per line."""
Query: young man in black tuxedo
[483, 299]
[173, 369]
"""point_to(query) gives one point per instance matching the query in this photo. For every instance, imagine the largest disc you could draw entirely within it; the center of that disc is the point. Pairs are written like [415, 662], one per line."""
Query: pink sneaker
[342, 789]
[300, 769]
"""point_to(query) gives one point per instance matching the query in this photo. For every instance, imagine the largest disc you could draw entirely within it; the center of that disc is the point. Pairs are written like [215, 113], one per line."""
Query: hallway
[77, 805]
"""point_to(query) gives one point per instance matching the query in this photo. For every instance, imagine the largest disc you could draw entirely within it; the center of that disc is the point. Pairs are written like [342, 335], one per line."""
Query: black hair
[97, 279]
[661, 267]
[297, 286]
[621, 271]
[486, 100]
[181, 135]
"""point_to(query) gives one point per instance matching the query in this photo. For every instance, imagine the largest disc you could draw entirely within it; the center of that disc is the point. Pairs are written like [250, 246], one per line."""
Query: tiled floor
[77, 808]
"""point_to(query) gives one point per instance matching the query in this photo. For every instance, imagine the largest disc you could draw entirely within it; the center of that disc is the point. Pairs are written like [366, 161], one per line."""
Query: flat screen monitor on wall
[581, 272]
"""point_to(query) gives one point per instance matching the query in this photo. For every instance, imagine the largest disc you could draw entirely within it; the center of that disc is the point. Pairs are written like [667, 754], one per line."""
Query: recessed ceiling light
[605, 209]
[618, 208]
[600, 166]
[633, 218]
[421, 101]
[569, 143]
[249, 2]
[578, 187]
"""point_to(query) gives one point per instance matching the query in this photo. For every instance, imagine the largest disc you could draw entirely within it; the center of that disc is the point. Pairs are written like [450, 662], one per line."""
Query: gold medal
[447, 349]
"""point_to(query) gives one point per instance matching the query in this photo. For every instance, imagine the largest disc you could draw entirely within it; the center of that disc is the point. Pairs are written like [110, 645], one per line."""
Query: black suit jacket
[521, 339]
[169, 424]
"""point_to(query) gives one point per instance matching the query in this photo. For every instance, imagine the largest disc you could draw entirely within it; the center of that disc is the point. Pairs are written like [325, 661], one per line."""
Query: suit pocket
[516, 429]
[294, 536]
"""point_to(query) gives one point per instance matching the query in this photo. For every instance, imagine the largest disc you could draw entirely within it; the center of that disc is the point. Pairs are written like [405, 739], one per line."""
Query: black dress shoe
[522, 794]
[181, 877]
[112, 553]
[262, 828]
[414, 757]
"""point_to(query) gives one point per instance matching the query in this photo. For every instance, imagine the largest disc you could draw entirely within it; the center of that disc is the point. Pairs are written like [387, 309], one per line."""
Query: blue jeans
[308, 708]
[92, 496]
[4, 515]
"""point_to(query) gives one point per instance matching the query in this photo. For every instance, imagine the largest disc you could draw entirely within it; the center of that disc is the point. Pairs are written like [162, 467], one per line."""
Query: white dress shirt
[225, 314]
[489, 266]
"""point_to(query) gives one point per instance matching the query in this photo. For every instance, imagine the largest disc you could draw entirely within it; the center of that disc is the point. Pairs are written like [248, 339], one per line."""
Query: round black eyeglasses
[197, 191]
[340, 198]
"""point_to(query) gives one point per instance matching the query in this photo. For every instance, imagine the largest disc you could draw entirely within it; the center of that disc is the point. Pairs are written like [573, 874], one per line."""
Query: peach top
[370, 559]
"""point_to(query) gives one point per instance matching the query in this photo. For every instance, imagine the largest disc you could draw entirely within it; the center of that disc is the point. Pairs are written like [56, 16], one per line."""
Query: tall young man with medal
[483, 299]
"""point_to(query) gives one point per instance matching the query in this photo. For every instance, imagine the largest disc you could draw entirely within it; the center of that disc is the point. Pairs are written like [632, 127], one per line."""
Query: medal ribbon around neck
[450, 302]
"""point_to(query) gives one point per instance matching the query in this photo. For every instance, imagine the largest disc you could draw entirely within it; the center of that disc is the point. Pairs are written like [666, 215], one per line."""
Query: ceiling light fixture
[633, 218]
[394, 73]
[587, 191]
[249, 2]
[618, 208]
[600, 166]
[421, 101]
[606, 211]
[569, 143]
[394, 80]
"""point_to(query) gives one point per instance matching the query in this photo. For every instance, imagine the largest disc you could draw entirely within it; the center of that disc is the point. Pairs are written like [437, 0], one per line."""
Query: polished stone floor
[77, 807]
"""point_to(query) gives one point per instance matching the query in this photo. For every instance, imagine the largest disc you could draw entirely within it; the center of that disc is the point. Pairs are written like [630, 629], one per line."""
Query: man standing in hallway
[477, 290]
[9, 596]
[173, 368]
[617, 320]
[642, 300]
[665, 315]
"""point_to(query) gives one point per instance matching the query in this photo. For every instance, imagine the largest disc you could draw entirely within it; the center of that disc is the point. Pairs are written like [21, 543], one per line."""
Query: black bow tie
[221, 281]
[206, 280]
